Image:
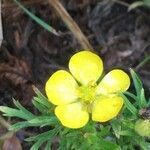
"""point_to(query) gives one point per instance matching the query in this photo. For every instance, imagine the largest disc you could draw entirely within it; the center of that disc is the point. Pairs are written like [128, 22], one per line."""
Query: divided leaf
[40, 121]
[42, 138]
[11, 112]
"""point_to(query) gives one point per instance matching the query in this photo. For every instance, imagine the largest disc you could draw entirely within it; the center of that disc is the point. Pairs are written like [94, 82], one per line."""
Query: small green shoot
[37, 19]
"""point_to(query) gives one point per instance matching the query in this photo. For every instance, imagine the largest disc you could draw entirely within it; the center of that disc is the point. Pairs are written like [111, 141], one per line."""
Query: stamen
[87, 93]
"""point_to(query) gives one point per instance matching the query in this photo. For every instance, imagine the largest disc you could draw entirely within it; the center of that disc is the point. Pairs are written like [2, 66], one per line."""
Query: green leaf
[37, 145]
[137, 83]
[48, 145]
[11, 112]
[43, 121]
[49, 134]
[147, 3]
[146, 59]
[143, 102]
[148, 103]
[134, 97]
[73, 134]
[140, 98]
[21, 112]
[143, 144]
[127, 133]
[37, 19]
[128, 123]
[105, 131]
[35, 122]
[19, 125]
[90, 127]
[116, 126]
[41, 138]
[65, 131]
[25, 111]
[43, 109]
[42, 99]
[129, 105]
[42, 103]
[135, 5]
[107, 145]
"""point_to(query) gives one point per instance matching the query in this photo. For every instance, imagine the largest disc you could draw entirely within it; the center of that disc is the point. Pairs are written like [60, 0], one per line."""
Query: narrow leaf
[147, 3]
[116, 126]
[107, 145]
[143, 101]
[37, 145]
[41, 138]
[148, 104]
[48, 145]
[19, 125]
[50, 133]
[43, 109]
[19, 106]
[43, 121]
[127, 133]
[11, 112]
[41, 98]
[129, 105]
[135, 5]
[36, 19]
[37, 121]
[137, 82]
[131, 95]
[104, 131]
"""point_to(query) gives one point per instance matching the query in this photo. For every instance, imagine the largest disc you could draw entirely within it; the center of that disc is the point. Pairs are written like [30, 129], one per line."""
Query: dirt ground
[30, 54]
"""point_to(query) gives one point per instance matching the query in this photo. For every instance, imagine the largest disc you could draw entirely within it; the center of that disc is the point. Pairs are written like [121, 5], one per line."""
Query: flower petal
[86, 67]
[61, 88]
[106, 108]
[115, 81]
[72, 115]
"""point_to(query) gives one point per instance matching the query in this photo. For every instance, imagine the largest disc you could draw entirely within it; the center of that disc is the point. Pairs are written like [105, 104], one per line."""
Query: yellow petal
[86, 67]
[115, 81]
[61, 88]
[72, 115]
[106, 108]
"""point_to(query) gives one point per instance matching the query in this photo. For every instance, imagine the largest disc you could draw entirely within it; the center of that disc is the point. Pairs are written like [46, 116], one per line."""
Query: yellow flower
[78, 95]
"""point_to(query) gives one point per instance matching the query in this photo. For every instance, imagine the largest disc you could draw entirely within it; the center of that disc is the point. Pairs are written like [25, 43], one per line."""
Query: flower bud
[142, 127]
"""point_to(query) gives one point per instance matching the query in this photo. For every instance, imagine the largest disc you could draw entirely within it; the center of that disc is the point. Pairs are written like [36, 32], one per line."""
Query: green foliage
[118, 134]
[41, 138]
[88, 138]
[129, 105]
[20, 112]
[139, 96]
[139, 3]
[46, 118]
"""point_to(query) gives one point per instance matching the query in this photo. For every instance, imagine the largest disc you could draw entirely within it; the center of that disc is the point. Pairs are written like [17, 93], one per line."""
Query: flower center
[87, 93]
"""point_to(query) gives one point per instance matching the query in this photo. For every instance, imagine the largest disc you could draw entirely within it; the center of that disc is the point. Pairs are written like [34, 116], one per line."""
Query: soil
[29, 54]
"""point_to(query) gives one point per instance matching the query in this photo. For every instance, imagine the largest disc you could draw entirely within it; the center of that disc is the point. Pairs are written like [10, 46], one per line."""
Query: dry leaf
[16, 70]
[12, 143]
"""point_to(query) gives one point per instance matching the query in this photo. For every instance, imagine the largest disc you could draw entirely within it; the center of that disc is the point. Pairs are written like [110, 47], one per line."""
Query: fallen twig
[74, 28]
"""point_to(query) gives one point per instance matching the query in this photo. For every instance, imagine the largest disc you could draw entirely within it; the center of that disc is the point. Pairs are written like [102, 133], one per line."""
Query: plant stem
[141, 64]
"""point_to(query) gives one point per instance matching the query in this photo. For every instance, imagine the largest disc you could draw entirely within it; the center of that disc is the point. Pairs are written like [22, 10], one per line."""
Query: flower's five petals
[115, 81]
[86, 67]
[61, 88]
[106, 108]
[72, 115]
